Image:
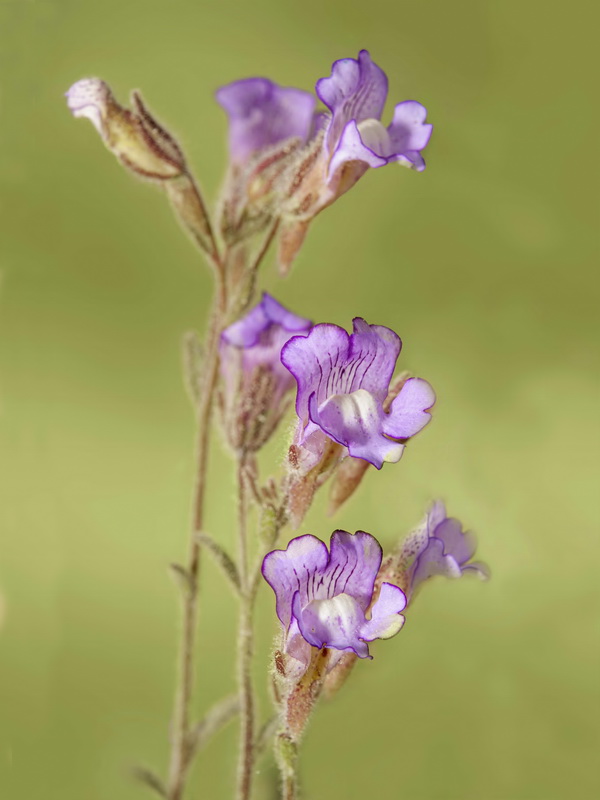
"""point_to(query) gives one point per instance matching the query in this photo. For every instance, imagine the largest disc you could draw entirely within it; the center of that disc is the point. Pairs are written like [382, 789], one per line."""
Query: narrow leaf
[182, 578]
[192, 356]
[149, 779]
[213, 721]
[223, 559]
[265, 734]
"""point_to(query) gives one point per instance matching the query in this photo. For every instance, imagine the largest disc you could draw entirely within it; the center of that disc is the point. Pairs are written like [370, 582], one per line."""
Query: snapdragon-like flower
[355, 94]
[340, 144]
[323, 597]
[262, 114]
[439, 546]
[255, 383]
[343, 381]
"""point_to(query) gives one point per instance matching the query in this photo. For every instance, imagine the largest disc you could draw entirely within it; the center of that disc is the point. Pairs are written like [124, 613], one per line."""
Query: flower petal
[408, 412]
[291, 571]
[355, 420]
[433, 561]
[436, 513]
[377, 349]
[329, 361]
[408, 130]
[479, 568]
[386, 619]
[247, 330]
[90, 98]
[261, 113]
[312, 358]
[355, 90]
[457, 543]
[353, 566]
[352, 148]
[333, 622]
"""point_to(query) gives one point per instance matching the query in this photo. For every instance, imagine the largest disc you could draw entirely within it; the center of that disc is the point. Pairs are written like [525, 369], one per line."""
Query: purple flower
[439, 547]
[332, 149]
[343, 381]
[322, 597]
[262, 114]
[255, 383]
[355, 93]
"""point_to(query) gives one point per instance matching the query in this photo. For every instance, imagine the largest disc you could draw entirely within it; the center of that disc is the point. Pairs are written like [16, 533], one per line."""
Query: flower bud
[135, 137]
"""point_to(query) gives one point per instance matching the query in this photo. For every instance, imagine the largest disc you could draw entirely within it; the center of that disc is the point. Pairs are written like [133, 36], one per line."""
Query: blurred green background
[483, 264]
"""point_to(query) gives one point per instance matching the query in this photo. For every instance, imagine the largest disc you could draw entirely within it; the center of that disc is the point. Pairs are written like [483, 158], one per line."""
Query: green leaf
[223, 559]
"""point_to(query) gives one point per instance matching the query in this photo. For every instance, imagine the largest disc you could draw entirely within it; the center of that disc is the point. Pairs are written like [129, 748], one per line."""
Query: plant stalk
[245, 647]
[181, 751]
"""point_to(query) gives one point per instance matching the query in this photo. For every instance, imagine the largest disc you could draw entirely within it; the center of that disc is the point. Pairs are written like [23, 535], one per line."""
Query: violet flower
[322, 597]
[439, 547]
[343, 381]
[255, 383]
[322, 154]
[262, 114]
[355, 93]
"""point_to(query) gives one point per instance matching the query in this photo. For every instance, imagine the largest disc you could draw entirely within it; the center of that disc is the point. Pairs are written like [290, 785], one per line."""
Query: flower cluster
[288, 160]
[282, 147]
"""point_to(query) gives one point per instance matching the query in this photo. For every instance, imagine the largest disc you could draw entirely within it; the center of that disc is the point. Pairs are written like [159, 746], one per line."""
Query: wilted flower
[439, 546]
[323, 596]
[255, 383]
[343, 381]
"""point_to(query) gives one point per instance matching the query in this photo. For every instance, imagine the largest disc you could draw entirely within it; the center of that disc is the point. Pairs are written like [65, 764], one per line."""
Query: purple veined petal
[409, 410]
[355, 420]
[457, 543]
[351, 148]
[355, 90]
[386, 619]
[332, 622]
[307, 357]
[377, 349]
[261, 113]
[353, 566]
[290, 571]
[329, 361]
[246, 331]
[433, 561]
[408, 132]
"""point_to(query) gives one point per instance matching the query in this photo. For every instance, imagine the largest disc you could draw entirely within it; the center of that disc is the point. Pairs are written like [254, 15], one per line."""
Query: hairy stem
[245, 647]
[289, 788]
[181, 749]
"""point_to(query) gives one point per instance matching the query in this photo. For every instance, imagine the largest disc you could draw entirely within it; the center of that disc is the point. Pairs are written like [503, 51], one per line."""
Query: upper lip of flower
[343, 380]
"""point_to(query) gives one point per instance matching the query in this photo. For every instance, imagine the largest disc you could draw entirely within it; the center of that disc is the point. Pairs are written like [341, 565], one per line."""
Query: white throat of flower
[375, 136]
